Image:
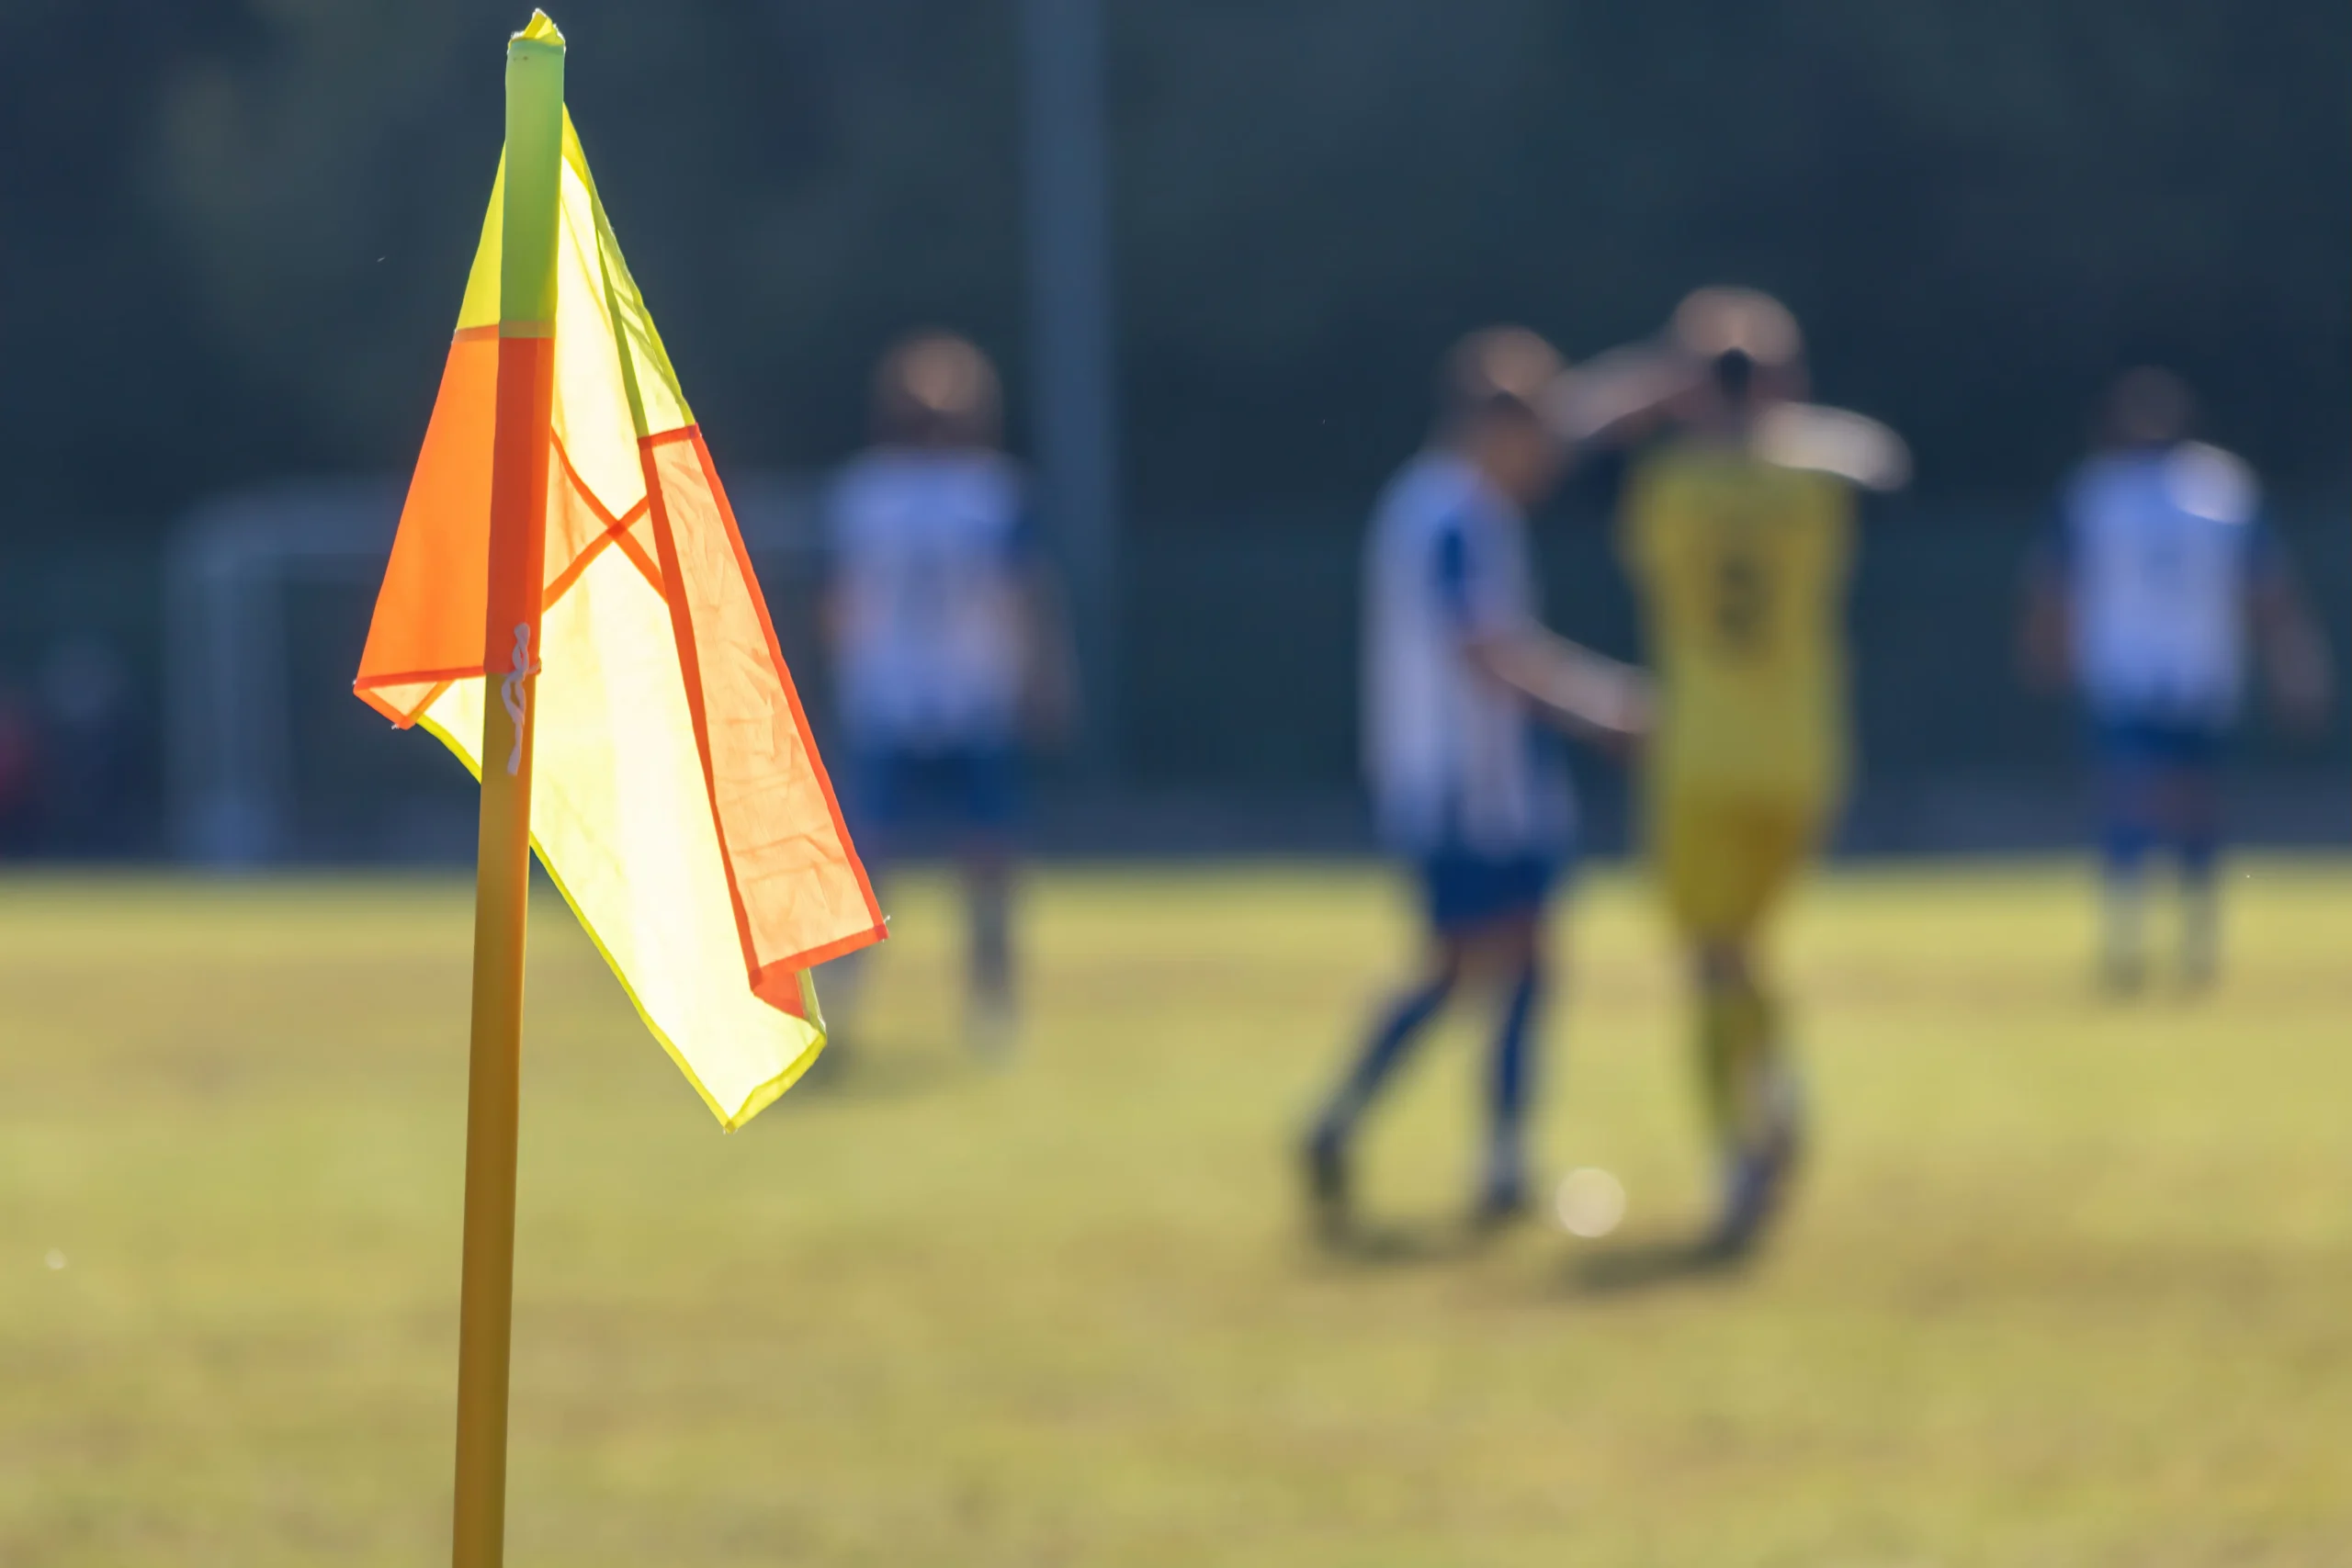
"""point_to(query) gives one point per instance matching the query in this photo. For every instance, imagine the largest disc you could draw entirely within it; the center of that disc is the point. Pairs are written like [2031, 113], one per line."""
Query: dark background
[232, 237]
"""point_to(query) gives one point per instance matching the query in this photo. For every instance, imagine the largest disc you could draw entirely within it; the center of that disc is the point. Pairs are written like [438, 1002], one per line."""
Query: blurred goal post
[236, 563]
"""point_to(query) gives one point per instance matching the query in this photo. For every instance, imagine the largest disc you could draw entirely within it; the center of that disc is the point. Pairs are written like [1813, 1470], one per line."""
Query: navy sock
[1395, 1031]
[1514, 1070]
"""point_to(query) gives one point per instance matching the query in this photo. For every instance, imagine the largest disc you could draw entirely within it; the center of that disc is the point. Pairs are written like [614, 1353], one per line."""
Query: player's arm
[2293, 647]
[1582, 692]
[1587, 694]
[1852, 446]
[1619, 397]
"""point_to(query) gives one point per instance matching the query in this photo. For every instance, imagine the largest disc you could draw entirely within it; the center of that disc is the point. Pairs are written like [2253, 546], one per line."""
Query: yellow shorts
[1723, 858]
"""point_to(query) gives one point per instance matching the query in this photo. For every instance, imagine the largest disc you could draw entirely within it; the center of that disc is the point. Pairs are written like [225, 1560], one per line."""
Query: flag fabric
[677, 798]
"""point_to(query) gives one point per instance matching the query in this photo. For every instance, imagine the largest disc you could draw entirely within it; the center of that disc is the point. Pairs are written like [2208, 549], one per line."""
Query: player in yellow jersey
[1736, 528]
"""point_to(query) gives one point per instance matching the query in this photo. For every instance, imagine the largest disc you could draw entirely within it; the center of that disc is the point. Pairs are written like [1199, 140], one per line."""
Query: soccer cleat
[1502, 1204]
[1759, 1178]
[1502, 1201]
[1749, 1194]
[1325, 1158]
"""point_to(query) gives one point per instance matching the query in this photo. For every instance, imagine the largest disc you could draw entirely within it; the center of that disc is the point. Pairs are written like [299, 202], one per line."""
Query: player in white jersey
[2163, 584]
[1459, 680]
[941, 643]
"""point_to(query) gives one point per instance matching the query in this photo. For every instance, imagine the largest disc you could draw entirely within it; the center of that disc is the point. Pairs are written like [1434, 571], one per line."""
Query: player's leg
[988, 862]
[2188, 806]
[1398, 1025]
[1395, 1029]
[1486, 919]
[2129, 803]
[1466, 904]
[1779, 837]
[1756, 1096]
[876, 802]
[1753, 851]
[1512, 949]
[1696, 846]
[1736, 1033]
[988, 876]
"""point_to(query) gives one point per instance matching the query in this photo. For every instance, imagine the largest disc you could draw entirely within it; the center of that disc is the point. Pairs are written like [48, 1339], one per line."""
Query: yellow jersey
[1740, 565]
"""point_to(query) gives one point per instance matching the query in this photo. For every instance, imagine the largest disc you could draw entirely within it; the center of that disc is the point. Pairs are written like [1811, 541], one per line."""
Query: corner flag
[617, 628]
[568, 602]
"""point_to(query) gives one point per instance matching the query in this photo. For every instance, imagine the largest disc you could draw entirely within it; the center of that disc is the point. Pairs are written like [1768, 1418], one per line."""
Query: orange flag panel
[798, 887]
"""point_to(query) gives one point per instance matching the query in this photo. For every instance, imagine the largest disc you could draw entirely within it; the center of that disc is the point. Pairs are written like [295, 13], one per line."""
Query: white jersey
[927, 568]
[2160, 550]
[1454, 758]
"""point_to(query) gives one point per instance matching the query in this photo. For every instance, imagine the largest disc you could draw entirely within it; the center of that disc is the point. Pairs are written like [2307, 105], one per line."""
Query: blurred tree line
[234, 232]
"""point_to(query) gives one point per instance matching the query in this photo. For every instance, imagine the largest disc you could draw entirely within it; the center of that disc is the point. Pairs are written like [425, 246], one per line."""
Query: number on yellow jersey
[1742, 582]
[1740, 565]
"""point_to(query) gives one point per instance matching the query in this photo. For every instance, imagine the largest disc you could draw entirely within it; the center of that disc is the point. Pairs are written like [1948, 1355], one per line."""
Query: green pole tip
[541, 30]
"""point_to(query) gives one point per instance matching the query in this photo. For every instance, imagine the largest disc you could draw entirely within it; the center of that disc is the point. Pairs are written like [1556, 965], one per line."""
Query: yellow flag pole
[502, 880]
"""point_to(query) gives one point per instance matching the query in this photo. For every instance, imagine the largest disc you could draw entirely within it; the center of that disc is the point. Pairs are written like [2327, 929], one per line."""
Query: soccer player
[1735, 525]
[2162, 583]
[944, 639]
[1458, 674]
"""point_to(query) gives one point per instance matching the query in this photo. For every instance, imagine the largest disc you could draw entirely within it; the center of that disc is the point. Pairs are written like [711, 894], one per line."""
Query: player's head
[936, 389]
[2146, 407]
[1490, 401]
[1747, 342]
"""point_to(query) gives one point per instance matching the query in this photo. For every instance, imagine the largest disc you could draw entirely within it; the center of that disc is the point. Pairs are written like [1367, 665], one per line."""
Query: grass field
[2070, 1282]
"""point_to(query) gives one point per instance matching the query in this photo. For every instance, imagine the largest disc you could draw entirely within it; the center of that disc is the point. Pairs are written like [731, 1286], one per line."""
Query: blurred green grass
[2067, 1284]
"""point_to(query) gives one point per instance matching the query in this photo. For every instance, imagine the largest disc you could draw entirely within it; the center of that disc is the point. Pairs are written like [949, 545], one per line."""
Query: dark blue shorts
[1461, 890]
[2151, 745]
[908, 798]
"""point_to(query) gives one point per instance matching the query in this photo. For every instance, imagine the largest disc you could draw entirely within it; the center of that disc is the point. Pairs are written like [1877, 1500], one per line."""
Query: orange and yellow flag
[676, 797]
